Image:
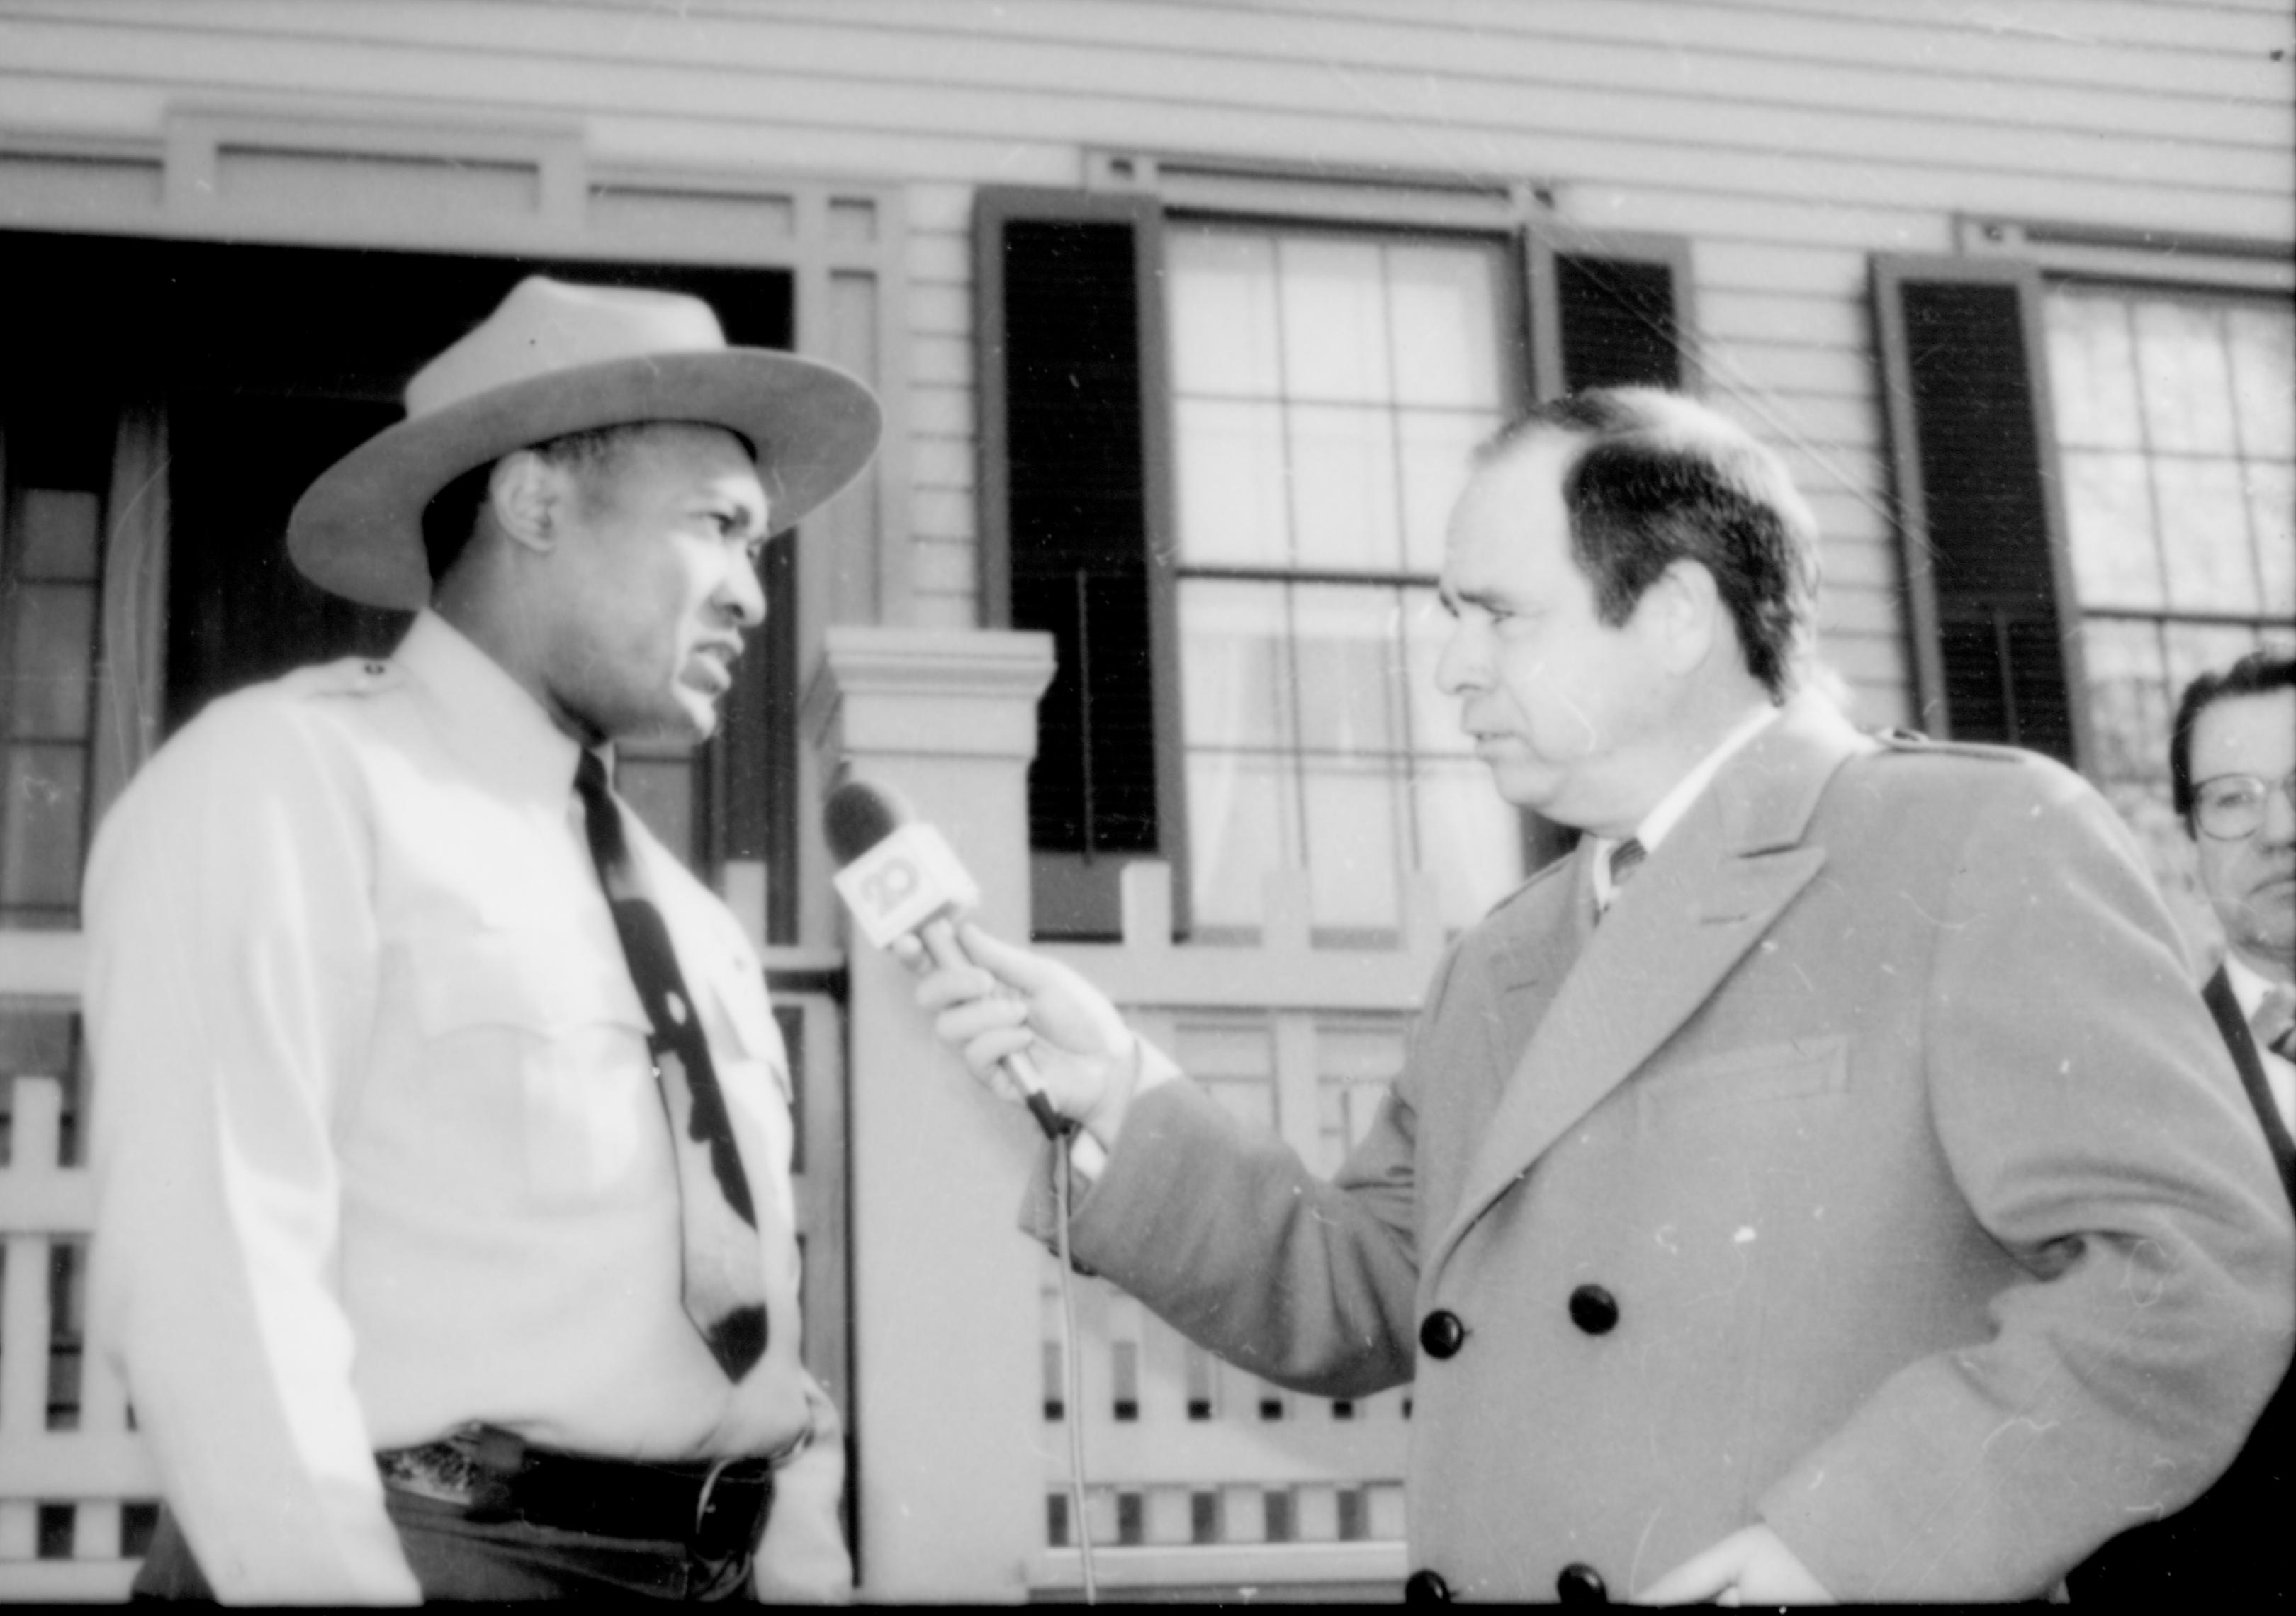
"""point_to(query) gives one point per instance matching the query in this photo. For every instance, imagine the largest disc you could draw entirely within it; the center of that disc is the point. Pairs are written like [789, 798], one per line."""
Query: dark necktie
[724, 1287]
[1626, 858]
[2274, 1022]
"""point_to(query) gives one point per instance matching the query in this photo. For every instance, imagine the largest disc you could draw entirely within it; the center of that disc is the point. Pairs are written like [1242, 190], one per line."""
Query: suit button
[1593, 1310]
[1425, 1587]
[1441, 1335]
[1579, 1583]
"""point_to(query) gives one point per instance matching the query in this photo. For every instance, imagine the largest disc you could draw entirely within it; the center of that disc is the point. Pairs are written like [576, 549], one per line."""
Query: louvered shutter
[1072, 500]
[1972, 457]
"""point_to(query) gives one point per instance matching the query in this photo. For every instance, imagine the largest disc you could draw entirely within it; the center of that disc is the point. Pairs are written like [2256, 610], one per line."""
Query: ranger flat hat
[557, 358]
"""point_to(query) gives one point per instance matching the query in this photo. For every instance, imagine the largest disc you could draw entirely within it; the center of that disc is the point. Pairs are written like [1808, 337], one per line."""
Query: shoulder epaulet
[1911, 741]
[345, 676]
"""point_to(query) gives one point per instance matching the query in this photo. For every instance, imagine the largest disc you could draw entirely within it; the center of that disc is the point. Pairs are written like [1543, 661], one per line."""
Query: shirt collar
[2249, 985]
[1660, 821]
[496, 725]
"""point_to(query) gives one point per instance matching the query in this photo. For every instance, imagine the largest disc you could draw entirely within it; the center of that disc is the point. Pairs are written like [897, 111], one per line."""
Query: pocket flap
[1792, 1069]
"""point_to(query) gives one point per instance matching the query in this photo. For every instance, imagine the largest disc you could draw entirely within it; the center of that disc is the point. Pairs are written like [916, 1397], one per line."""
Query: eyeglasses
[2230, 807]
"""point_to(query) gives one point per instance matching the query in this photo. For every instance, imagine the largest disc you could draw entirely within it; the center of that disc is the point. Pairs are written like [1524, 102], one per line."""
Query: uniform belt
[714, 1506]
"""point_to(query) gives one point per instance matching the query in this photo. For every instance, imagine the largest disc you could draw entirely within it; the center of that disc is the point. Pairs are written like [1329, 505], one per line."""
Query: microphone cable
[1072, 1368]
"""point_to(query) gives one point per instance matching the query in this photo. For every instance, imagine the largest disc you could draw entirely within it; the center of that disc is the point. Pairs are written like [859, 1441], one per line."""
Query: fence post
[947, 1345]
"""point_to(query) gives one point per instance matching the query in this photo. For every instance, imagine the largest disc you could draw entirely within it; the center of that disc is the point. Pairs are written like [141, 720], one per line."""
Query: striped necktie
[2274, 1022]
[724, 1281]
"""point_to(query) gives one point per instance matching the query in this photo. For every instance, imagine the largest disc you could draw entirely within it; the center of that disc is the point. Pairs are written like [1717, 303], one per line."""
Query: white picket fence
[75, 1489]
[1202, 1477]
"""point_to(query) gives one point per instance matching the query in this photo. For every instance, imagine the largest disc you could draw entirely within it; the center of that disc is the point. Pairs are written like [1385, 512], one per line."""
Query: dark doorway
[273, 362]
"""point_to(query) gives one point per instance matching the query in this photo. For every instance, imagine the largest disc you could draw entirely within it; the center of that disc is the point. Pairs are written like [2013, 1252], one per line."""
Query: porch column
[947, 1394]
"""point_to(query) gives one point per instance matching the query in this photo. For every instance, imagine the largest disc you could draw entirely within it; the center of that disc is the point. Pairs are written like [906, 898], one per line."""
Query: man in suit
[2232, 772]
[1823, 1182]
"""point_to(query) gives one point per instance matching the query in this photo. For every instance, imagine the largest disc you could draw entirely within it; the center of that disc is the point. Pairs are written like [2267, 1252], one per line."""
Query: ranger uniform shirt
[379, 1148]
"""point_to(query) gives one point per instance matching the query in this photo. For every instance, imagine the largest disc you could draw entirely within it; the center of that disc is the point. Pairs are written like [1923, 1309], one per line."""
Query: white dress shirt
[1675, 803]
[2279, 1071]
[378, 1145]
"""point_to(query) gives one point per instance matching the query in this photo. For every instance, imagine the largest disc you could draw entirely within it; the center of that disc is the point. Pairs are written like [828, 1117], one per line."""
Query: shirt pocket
[1756, 1076]
[537, 1054]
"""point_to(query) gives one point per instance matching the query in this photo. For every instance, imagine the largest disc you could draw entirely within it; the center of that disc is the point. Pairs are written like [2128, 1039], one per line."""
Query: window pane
[1354, 846]
[2272, 520]
[2204, 536]
[1335, 320]
[58, 536]
[1470, 839]
[2109, 509]
[2093, 371]
[1233, 510]
[1434, 716]
[2193, 650]
[2180, 359]
[2263, 371]
[1343, 492]
[1241, 829]
[44, 813]
[1223, 313]
[1445, 304]
[2128, 698]
[1436, 449]
[53, 643]
[1234, 674]
[1347, 643]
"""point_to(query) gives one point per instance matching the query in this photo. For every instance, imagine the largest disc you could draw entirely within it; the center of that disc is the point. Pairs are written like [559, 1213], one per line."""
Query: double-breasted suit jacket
[2222, 1549]
[1871, 1170]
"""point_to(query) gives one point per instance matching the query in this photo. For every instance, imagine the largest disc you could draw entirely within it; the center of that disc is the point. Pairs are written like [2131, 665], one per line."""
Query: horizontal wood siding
[1786, 139]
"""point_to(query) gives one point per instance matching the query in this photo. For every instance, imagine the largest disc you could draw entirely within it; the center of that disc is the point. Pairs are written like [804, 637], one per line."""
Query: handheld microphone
[899, 877]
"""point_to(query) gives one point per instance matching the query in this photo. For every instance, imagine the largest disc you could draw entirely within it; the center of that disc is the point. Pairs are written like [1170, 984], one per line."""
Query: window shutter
[1073, 519]
[1973, 458]
[1609, 310]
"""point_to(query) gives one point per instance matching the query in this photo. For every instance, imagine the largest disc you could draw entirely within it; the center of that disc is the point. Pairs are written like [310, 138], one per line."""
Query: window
[51, 567]
[2097, 475]
[2176, 428]
[1326, 391]
[1223, 426]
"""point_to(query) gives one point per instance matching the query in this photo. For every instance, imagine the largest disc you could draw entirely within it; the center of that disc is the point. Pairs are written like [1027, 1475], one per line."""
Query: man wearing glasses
[2232, 768]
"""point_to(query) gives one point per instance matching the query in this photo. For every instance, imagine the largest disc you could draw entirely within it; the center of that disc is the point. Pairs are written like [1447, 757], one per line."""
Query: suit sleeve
[1223, 1232]
[232, 966]
[2091, 1120]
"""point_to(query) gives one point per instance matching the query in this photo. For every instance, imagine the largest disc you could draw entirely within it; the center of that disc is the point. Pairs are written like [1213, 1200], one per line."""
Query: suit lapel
[1596, 1014]
[2224, 1003]
[1540, 940]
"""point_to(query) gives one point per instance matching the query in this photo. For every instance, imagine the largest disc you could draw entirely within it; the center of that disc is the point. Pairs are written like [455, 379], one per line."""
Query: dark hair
[451, 515]
[2253, 675]
[1660, 478]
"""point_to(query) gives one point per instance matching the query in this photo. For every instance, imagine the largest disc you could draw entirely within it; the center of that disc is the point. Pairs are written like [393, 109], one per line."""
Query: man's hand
[1009, 999]
[1751, 1566]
